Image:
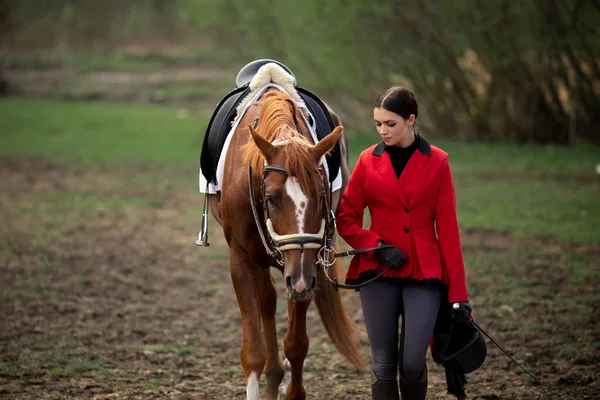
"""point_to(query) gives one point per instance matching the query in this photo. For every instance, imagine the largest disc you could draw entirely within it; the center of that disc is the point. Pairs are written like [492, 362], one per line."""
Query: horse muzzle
[300, 287]
[300, 274]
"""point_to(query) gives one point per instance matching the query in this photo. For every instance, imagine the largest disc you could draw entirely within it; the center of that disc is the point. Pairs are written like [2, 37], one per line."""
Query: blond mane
[281, 124]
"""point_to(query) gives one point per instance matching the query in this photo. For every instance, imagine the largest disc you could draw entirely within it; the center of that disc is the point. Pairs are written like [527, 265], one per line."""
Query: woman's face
[393, 129]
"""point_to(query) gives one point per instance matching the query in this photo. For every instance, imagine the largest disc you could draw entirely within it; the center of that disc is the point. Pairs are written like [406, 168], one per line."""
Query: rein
[327, 264]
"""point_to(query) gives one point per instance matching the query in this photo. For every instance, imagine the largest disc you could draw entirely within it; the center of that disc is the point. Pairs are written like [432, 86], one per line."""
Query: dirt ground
[117, 302]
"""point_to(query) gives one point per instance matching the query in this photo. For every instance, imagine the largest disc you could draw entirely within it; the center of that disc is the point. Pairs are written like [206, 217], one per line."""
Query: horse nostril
[288, 282]
[313, 284]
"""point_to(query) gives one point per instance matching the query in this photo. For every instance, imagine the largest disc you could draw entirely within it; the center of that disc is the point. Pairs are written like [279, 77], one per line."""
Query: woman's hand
[390, 255]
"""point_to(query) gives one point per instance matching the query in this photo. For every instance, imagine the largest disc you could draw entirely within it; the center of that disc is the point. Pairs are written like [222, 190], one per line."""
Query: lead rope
[326, 264]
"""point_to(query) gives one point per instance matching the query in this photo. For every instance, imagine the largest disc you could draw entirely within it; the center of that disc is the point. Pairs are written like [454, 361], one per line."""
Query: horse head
[295, 195]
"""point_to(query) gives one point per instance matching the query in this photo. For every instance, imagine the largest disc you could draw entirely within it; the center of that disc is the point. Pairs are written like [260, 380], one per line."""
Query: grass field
[103, 295]
[522, 190]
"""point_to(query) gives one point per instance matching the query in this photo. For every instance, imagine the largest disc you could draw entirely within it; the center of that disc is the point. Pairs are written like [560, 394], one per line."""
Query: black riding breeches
[382, 303]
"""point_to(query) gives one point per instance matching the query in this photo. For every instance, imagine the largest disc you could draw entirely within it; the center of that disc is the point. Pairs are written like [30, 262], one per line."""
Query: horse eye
[271, 201]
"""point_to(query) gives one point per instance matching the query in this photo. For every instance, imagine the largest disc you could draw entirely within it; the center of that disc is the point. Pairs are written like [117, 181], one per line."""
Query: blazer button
[406, 230]
[406, 210]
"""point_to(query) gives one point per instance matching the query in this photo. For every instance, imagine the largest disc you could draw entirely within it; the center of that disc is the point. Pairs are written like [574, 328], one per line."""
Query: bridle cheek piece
[274, 243]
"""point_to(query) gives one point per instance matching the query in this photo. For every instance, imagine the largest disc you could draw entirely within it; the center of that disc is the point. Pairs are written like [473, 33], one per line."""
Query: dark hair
[399, 100]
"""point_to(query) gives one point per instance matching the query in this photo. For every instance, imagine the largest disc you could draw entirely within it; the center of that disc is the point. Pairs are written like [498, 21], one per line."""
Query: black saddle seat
[220, 124]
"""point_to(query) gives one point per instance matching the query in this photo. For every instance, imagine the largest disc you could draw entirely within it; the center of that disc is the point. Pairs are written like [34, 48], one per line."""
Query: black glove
[390, 255]
[461, 310]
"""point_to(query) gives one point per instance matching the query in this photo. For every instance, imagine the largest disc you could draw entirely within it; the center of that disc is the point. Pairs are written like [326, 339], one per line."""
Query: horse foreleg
[295, 346]
[273, 368]
[247, 283]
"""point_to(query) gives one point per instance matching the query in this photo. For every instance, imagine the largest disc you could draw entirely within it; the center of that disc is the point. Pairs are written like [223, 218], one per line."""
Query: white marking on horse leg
[252, 387]
[287, 377]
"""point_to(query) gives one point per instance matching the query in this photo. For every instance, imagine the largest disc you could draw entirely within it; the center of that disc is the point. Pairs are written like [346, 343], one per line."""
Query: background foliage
[486, 70]
[523, 71]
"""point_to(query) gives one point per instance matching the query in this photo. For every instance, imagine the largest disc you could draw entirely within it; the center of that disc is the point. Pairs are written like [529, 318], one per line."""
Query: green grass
[100, 133]
[171, 349]
[153, 383]
[54, 363]
[523, 273]
[76, 367]
[524, 190]
[61, 212]
[526, 206]
[64, 202]
[475, 157]
[465, 156]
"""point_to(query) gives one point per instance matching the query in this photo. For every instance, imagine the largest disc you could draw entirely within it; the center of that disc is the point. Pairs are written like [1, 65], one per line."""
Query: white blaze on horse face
[252, 387]
[300, 200]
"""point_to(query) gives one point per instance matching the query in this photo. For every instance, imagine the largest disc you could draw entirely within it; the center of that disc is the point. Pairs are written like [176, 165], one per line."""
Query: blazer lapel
[415, 163]
[385, 168]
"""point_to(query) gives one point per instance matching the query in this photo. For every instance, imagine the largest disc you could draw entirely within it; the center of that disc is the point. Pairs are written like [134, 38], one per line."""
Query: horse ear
[264, 146]
[326, 144]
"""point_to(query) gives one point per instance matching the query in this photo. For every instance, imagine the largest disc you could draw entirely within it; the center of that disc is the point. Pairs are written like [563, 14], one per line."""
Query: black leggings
[382, 304]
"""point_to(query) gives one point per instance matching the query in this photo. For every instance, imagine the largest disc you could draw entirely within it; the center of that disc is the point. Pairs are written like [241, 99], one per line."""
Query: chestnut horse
[279, 163]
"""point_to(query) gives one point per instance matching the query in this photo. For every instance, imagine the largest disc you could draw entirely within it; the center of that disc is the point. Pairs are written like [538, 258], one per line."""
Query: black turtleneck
[400, 156]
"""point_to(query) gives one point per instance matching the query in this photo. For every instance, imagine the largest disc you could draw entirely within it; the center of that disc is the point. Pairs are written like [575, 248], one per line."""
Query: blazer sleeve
[449, 236]
[350, 217]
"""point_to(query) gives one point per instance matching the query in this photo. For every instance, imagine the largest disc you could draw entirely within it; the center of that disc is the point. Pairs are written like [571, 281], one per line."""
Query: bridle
[274, 243]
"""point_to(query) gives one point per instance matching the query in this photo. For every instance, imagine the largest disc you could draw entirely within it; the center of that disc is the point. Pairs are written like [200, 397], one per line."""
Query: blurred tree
[77, 24]
[527, 71]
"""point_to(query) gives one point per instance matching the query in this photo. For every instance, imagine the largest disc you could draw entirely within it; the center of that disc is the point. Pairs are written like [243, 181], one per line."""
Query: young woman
[407, 186]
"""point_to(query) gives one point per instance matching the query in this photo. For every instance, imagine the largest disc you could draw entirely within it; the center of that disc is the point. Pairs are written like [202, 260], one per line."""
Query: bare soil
[117, 302]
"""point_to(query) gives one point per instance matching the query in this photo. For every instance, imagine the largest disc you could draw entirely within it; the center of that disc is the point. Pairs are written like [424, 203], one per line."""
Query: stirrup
[203, 234]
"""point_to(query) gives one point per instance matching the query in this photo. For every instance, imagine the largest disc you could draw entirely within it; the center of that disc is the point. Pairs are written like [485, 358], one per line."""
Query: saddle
[219, 125]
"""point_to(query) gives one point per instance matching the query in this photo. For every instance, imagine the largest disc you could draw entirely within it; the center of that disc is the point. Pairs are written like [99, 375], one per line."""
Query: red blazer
[416, 213]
